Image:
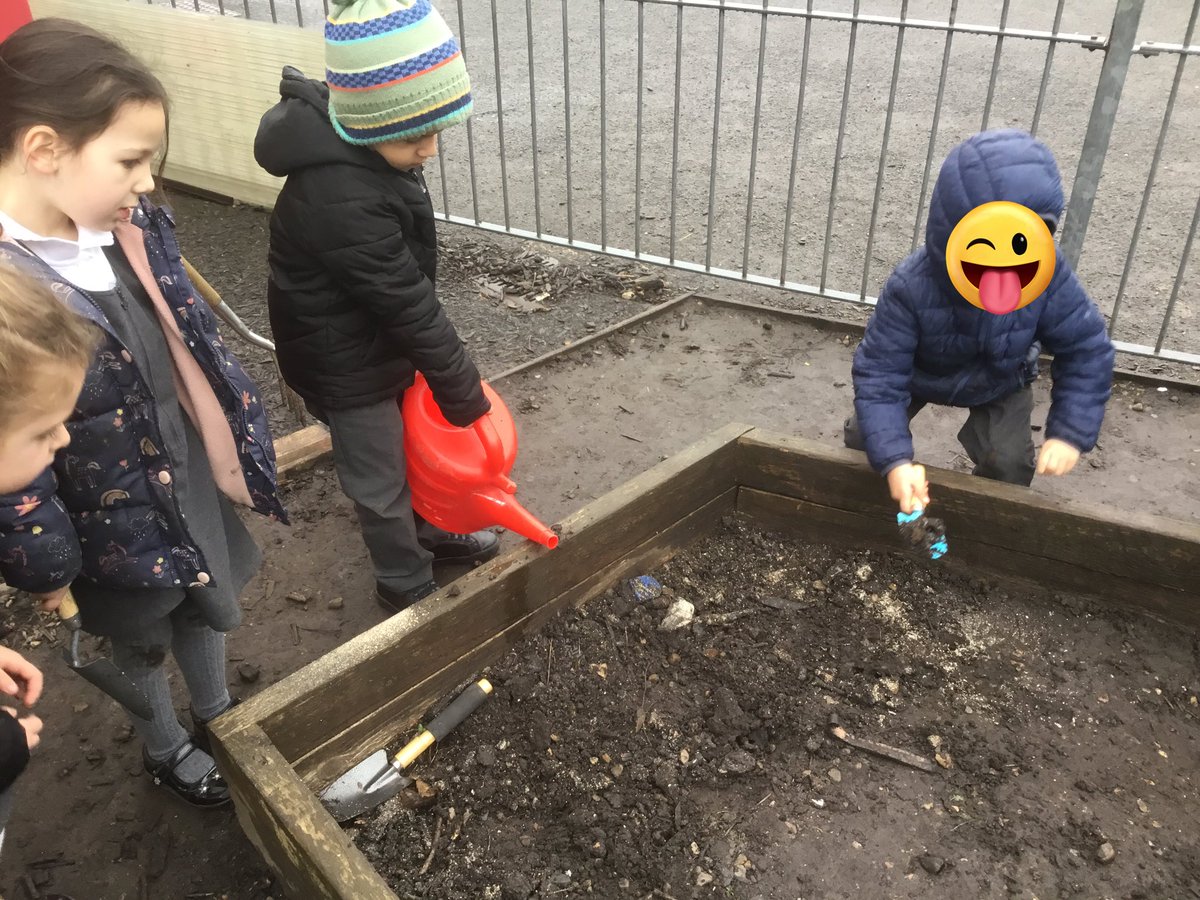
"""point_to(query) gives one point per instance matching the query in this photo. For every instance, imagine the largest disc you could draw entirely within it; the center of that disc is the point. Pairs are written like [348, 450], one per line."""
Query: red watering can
[459, 476]
[13, 14]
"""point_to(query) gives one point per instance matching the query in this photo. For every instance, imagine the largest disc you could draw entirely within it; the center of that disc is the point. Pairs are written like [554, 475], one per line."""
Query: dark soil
[616, 759]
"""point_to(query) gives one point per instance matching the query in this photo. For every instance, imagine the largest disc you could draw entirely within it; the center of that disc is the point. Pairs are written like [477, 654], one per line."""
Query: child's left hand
[1057, 458]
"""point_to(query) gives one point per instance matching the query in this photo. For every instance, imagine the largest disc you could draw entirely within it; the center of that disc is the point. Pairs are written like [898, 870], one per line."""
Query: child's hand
[909, 487]
[1057, 458]
[19, 678]
[32, 726]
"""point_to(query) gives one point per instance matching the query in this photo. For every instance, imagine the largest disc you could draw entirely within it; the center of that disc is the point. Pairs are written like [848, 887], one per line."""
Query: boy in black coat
[353, 262]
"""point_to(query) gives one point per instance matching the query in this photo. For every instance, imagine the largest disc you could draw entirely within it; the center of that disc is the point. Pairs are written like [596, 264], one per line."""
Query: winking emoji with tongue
[962, 321]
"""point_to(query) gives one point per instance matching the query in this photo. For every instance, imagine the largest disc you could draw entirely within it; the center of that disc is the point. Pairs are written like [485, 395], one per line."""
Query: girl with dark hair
[136, 515]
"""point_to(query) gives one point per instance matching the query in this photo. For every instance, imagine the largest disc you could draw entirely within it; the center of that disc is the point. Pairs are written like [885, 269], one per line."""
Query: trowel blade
[104, 674]
[364, 787]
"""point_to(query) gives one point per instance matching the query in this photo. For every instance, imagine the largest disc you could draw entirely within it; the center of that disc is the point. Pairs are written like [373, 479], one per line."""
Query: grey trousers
[368, 454]
[996, 436]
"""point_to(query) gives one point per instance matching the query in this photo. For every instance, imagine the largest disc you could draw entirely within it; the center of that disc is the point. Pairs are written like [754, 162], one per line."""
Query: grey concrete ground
[842, 263]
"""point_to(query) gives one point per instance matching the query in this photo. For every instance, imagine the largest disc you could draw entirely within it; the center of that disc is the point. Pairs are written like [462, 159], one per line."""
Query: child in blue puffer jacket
[961, 322]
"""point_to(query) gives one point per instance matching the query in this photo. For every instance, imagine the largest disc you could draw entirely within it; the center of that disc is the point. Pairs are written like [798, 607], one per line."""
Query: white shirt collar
[82, 262]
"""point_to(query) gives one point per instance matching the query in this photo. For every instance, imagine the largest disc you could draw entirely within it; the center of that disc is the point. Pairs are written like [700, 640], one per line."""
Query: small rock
[1105, 853]
[932, 864]
[248, 673]
[562, 879]
[703, 879]
[835, 776]
[337, 603]
[125, 734]
[486, 757]
[814, 743]
[615, 800]
[739, 762]
[819, 585]
[1138, 407]
[526, 841]
[680, 615]
[296, 597]
[516, 887]
[1143, 806]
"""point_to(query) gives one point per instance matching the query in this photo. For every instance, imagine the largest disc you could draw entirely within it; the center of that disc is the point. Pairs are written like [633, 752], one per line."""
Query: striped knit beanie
[394, 69]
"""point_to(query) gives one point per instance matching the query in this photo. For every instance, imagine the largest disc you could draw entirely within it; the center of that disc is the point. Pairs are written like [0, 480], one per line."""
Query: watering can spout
[504, 509]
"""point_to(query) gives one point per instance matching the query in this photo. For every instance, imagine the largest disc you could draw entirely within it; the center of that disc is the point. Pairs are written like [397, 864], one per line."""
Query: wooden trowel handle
[68, 611]
[449, 719]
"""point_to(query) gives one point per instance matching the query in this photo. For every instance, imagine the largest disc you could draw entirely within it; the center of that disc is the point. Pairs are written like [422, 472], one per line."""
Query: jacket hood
[1006, 164]
[296, 132]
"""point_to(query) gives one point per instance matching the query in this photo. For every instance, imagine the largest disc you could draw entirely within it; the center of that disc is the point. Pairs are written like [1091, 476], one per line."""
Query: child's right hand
[908, 487]
[20, 678]
[32, 726]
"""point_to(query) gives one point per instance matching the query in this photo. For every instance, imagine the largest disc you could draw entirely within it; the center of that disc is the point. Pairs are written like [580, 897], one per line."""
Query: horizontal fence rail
[784, 144]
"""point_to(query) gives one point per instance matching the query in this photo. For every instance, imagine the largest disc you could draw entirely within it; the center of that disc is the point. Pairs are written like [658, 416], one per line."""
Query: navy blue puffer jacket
[925, 342]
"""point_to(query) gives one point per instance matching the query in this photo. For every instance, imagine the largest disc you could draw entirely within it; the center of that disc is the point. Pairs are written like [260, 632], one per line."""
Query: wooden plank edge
[302, 449]
[308, 851]
[348, 656]
[968, 557]
[1037, 503]
[382, 726]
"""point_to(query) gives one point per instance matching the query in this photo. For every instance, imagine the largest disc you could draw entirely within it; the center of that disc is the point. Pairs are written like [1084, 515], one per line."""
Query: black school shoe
[395, 601]
[200, 736]
[210, 791]
[451, 549]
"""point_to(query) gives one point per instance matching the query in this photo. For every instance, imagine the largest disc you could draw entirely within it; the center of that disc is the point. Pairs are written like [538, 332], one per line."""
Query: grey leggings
[200, 653]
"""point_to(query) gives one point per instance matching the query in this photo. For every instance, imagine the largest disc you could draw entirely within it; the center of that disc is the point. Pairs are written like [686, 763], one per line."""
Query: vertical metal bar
[1183, 263]
[1050, 46]
[675, 122]
[537, 196]
[791, 194]
[991, 93]
[246, 5]
[567, 115]
[712, 169]
[887, 133]
[462, 45]
[445, 190]
[758, 90]
[637, 165]
[299, 15]
[500, 116]
[1163, 128]
[837, 154]
[196, 5]
[933, 128]
[221, 7]
[1100, 126]
[325, 6]
[603, 129]
[274, 12]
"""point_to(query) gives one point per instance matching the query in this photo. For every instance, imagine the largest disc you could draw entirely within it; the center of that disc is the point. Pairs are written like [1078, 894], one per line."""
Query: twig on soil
[30, 888]
[632, 438]
[295, 634]
[726, 618]
[549, 660]
[788, 375]
[437, 834]
[887, 752]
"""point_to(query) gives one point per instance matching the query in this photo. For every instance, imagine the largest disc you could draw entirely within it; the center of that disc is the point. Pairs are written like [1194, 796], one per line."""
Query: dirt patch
[616, 759]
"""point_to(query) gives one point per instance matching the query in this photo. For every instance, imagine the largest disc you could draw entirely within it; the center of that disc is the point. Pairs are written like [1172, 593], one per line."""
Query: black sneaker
[395, 601]
[451, 549]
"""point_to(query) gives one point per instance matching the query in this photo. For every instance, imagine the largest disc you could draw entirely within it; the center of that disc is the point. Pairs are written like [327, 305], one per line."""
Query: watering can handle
[490, 438]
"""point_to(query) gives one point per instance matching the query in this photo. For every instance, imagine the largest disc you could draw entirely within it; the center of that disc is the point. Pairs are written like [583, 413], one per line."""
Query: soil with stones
[1057, 742]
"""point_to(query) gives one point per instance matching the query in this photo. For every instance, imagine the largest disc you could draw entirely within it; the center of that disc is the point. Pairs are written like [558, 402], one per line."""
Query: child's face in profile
[28, 444]
[406, 155]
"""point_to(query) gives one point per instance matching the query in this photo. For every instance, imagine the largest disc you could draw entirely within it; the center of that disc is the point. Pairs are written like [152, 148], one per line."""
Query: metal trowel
[103, 673]
[377, 778]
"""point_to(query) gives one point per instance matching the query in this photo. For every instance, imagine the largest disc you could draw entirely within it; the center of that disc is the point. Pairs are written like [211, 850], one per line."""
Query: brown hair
[37, 331]
[63, 74]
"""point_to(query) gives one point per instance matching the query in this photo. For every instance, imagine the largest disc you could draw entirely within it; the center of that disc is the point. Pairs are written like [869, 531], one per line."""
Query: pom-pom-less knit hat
[394, 69]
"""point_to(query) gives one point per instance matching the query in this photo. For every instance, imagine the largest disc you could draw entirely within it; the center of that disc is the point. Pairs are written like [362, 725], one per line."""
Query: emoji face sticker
[1000, 256]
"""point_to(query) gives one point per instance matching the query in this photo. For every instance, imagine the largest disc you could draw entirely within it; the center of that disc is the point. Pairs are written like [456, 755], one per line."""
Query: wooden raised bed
[283, 746]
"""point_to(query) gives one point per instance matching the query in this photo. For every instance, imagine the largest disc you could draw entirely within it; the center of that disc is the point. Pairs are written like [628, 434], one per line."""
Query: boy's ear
[42, 148]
